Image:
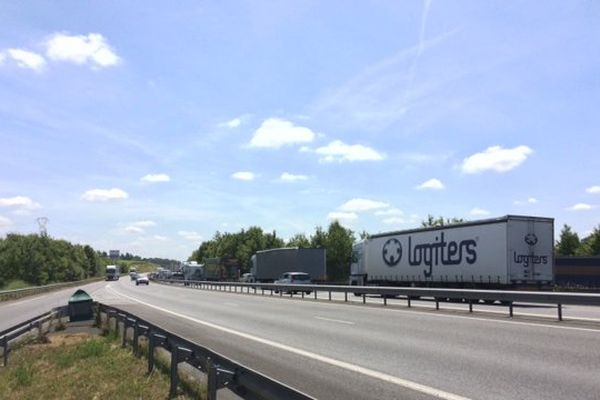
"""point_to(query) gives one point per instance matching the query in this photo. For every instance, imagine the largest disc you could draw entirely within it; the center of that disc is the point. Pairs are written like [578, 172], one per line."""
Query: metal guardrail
[470, 296]
[14, 332]
[18, 293]
[221, 372]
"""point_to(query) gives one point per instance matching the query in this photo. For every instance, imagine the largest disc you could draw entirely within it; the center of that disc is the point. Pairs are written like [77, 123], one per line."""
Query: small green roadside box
[80, 306]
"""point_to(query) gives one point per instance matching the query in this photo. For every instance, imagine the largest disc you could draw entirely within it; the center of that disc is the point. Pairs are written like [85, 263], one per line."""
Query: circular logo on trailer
[531, 239]
[392, 252]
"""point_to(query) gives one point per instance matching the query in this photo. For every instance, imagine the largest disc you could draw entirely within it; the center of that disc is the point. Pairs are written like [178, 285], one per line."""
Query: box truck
[269, 265]
[112, 272]
[508, 252]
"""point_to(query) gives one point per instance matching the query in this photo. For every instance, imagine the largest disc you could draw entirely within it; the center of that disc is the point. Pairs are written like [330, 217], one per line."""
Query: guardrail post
[136, 338]
[315, 294]
[560, 312]
[5, 351]
[510, 309]
[124, 332]
[384, 300]
[408, 299]
[345, 297]
[212, 383]
[470, 305]
[364, 296]
[154, 340]
[330, 295]
[174, 377]
[437, 304]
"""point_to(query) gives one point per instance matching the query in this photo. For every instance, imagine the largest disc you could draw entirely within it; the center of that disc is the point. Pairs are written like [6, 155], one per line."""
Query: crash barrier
[10, 335]
[469, 296]
[18, 293]
[222, 373]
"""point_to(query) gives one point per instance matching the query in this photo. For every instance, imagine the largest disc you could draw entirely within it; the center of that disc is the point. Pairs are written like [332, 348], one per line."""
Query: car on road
[294, 278]
[247, 277]
[133, 275]
[142, 280]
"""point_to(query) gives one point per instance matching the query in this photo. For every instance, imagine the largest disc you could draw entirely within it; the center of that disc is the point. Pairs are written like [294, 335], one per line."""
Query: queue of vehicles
[510, 252]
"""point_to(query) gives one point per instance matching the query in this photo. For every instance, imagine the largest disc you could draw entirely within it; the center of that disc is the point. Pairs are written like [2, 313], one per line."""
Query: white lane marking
[331, 361]
[339, 321]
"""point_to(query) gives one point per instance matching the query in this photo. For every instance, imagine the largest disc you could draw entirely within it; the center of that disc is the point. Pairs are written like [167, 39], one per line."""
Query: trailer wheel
[488, 301]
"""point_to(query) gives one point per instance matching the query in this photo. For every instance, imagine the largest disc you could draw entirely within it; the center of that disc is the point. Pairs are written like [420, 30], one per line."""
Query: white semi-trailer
[511, 251]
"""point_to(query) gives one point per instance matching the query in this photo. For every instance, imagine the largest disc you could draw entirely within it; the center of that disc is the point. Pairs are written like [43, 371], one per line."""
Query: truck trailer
[507, 252]
[112, 272]
[268, 265]
[192, 271]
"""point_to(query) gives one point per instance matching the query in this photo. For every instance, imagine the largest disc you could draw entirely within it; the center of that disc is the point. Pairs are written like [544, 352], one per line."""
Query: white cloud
[287, 177]
[160, 238]
[530, 200]
[593, 189]
[155, 178]
[81, 49]
[359, 205]
[394, 221]
[275, 133]
[234, 123]
[243, 176]
[389, 212]
[27, 59]
[433, 184]
[100, 195]
[338, 151]
[496, 158]
[581, 207]
[342, 216]
[190, 235]
[22, 202]
[2, 57]
[5, 222]
[479, 212]
[144, 224]
[135, 230]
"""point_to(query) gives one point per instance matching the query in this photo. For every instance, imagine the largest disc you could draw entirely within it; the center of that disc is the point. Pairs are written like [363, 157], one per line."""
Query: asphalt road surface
[350, 351]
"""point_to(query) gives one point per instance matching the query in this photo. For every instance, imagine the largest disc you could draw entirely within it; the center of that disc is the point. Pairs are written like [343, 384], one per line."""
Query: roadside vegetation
[36, 260]
[80, 367]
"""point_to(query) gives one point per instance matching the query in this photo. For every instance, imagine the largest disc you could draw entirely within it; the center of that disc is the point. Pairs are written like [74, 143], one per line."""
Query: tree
[432, 221]
[590, 245]
[568, 244]
[298, 240]
[339, 242]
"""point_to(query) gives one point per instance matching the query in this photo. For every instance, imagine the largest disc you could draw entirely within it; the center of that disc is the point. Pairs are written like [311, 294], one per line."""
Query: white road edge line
[339, 321]
[440, 394]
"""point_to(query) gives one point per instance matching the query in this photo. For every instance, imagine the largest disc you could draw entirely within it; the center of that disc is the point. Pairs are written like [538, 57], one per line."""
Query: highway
[350, 351]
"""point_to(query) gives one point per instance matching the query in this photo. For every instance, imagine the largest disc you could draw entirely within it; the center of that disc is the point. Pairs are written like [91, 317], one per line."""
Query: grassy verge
[80, 367]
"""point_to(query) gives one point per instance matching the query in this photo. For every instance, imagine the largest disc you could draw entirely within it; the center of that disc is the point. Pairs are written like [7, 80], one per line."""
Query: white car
[294, 278]
[142, 280]
[248, 277]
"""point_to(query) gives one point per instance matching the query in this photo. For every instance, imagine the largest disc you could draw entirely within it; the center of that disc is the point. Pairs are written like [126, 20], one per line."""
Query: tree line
[243, 244]
[569, 243]
[40, 260]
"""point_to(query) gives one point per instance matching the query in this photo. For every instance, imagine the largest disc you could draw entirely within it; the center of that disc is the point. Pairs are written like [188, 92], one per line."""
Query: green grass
[16, 284]
[97, 368]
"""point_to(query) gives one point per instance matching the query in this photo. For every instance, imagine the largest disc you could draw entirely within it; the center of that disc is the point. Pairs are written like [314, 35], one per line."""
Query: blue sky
[146, 128]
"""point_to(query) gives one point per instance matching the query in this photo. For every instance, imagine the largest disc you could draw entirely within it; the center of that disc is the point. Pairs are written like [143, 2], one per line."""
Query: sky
[148, 126]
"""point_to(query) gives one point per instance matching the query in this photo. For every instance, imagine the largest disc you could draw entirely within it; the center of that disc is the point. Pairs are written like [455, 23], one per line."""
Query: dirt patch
[60, 339]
